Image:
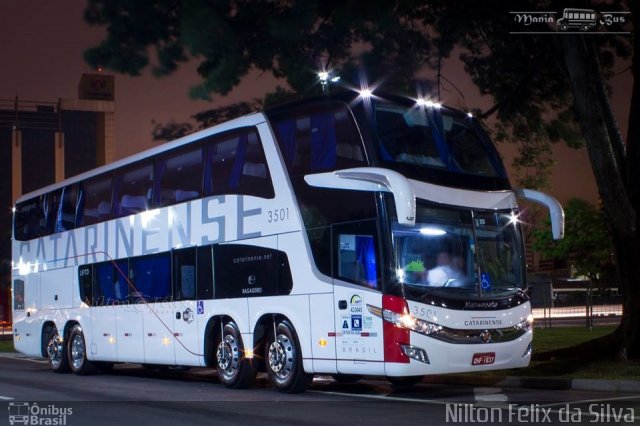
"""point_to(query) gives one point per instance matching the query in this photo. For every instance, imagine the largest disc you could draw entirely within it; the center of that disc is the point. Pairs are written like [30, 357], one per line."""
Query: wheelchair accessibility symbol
[485, 281]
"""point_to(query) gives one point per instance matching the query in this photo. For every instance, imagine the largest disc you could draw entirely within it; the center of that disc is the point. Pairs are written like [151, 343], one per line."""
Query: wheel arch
[68, 327]
[265, 324]
[211, 333]
[51, 325]
[47, 326]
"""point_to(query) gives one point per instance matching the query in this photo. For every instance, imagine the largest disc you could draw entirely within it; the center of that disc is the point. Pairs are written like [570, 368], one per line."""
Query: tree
[546, 88]
[174, 130]
[586, 240]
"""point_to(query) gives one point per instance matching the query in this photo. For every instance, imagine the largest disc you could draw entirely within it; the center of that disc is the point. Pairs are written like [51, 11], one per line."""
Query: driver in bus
[448, 271]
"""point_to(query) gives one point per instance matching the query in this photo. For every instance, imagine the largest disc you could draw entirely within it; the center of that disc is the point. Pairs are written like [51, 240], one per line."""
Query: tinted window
[184, 274]
[111, 284]
[434, 138]
[51, 209]
[85, 278]
[236, 165]
[97, 199]
[66, 218]
[151, 278]
[205, 273]
[179, 176]
[134, 189]
[30, 219]
[320, 242]
[355, 248]
[247, 271]
[18, 295]
[319, 138]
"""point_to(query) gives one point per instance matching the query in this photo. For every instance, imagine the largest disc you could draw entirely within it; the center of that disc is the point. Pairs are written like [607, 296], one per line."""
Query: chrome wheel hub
[77, 352]
[227, 355]
[55, 351]
[281, 356]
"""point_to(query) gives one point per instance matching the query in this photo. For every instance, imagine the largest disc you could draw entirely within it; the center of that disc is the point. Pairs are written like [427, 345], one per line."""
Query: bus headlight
[526, 324]
[416, 353]
[405, 320]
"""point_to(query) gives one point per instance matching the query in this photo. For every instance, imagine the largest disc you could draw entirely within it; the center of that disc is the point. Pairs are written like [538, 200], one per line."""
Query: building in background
[45, 142]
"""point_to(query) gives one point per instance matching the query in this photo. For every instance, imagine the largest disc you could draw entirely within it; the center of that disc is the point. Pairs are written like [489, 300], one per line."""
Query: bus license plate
[484, 358]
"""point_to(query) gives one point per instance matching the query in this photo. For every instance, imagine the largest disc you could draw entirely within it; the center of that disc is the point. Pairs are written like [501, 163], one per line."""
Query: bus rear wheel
[234, 369]
[284, 360]
[77, 351]
[57, 353]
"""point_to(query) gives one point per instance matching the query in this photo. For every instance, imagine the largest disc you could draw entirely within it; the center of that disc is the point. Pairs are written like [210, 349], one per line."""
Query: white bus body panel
[188, 344]
[57, 288]
[447, 357]
[103, 335]
[464, 197]
[323, 336]
[26, 324]
[359, 337]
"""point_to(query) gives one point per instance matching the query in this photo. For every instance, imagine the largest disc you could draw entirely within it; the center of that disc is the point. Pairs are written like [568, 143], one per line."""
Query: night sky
[41, 46]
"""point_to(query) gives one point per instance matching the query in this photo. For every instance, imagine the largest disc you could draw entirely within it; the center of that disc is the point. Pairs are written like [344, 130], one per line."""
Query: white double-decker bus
[346, 235]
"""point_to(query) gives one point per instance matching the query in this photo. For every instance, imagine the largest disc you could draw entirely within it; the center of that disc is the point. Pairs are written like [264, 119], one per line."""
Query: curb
[553, 383]
[543, 383]
[607, 385]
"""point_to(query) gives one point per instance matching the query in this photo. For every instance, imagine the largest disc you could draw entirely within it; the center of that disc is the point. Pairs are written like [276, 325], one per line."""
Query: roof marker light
[513, 219]
[366, 93]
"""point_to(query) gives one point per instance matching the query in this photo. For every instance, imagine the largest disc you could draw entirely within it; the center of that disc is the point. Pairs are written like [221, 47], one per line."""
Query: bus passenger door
[129, 326]
[158, 333]
[359, 343]
[109, 293]
[129, 318]
[151, 296]
[185, 307]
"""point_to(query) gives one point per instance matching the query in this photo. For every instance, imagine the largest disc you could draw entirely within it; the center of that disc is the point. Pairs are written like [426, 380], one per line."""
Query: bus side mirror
[556, 213]
[372, 179]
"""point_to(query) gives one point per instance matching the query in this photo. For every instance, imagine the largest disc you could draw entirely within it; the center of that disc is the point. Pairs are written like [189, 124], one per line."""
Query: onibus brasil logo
[30, 413]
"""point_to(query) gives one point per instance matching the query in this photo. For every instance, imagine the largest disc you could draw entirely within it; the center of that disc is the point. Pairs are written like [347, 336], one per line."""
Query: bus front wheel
[284, 360]
[234, 369]
[77, 351]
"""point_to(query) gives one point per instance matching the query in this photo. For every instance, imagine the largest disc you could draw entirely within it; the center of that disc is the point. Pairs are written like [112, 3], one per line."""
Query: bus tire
[234, 369]
[48, 332]
[77, 351]
[405, 380]
[284, 360]
[57, 353]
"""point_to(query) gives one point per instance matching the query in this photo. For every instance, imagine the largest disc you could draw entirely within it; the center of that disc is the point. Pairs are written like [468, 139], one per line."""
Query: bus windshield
[419, 137]
[460, 252]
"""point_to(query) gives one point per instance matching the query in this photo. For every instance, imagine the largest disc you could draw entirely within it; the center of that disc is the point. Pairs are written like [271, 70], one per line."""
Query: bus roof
[251, 119]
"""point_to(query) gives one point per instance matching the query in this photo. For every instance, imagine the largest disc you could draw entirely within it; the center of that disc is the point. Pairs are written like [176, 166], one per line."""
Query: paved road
[131, 395]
